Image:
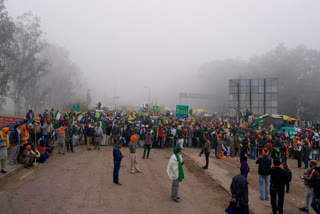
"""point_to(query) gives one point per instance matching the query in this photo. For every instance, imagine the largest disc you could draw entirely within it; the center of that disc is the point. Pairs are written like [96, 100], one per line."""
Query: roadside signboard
[182, 111]
[76, 107]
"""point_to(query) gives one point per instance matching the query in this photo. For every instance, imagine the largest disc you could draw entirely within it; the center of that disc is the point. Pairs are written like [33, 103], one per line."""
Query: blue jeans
[266, 181]
[253, 152]
[116, 170]
[305, 161]
[315, 205]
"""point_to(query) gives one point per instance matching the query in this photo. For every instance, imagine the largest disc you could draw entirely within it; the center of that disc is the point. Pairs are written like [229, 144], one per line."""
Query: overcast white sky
[123, 45]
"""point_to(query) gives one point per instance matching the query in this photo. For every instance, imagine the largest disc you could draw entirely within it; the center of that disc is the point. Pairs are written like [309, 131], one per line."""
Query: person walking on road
[147, 143]
[4, 145]
[175, 172]
[309, 177]
[264, 165]
[239, 189]
[278, 181]
[117, 158]
[133, 157]
[206, 151]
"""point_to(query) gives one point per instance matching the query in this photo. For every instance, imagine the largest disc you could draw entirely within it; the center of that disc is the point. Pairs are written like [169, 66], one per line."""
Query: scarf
[5, 135]
[181, 175]
[49, 128]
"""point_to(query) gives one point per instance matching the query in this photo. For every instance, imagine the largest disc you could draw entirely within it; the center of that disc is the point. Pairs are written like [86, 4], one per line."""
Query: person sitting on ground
[43, 154]
[27, 157]
[35, 152]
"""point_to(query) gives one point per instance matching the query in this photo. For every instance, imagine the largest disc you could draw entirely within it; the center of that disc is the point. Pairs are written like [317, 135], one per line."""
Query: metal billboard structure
[259, 95]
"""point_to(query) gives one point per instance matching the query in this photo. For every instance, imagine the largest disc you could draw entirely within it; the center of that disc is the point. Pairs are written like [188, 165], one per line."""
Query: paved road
[224, 170]
[81, 182]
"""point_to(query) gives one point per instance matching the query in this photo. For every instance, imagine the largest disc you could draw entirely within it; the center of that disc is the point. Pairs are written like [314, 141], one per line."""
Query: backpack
[289, 173]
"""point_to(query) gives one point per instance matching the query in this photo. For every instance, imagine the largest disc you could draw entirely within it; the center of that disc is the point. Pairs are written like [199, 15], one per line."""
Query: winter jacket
[278, 179]
[316, 186]
[264, 165]
[239, 189]
[117, 155]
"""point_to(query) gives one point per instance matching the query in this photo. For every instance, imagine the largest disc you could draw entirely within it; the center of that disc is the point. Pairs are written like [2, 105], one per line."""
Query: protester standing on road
[206, 151]
[316, 191]
[175, 172]
[264, 165]
[244, 149]
[4, 145]
[89, 134]
[133, 157]
[117, 157]
[61, 139]
[15, 144]
[239, 189]
[180, 135]
[115, 134]
[147, 143]
[47, 128]
[278, 181]
[309, 177]
[298, 153]
[306, 153]
[98, 136]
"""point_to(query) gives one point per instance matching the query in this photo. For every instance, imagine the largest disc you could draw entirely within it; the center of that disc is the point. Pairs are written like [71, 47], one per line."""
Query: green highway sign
[76, 107]
[182, 111]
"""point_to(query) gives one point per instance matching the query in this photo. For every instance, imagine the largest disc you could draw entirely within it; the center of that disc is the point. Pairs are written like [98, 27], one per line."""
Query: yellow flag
[228, 124]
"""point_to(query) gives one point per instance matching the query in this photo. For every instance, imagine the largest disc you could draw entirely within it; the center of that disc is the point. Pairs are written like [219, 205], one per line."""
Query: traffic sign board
[182, 111]
[76, 107]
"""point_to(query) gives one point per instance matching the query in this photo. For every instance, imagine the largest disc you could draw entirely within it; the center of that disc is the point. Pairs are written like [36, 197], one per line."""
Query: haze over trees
[33, 72]
[297, 70]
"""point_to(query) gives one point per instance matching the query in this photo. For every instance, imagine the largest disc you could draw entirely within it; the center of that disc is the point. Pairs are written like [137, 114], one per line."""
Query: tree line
[33, 72]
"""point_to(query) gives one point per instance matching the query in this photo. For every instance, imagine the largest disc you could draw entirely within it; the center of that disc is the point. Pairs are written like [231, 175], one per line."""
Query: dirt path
[81, 182]
[224, 170]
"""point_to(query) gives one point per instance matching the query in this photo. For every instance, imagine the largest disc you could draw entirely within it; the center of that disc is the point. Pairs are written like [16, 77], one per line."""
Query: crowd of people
[33, 141]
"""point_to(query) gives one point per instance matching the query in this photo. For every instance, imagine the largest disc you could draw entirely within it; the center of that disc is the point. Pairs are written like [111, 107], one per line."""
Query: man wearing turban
[4, 144]
[27, 157]
[175, 172]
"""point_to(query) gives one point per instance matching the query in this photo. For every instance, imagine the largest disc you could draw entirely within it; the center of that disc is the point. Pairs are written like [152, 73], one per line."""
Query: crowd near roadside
[33, 141]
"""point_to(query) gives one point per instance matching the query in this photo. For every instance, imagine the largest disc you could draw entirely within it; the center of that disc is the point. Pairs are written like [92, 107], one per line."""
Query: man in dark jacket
[239, 190]
[316, 191]
[306, 150]
[206, 150]
[264, 165]
[15, 144]
[115, 134]
[89, 134]
[117, 157]
[279, 179]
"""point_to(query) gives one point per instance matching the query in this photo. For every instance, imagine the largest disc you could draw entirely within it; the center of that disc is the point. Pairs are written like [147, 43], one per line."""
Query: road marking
[26, 175]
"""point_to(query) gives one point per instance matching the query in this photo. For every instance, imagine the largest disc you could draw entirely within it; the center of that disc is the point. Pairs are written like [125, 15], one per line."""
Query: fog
[125, 47]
